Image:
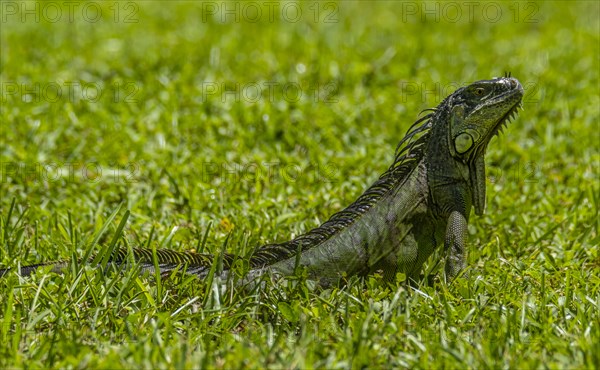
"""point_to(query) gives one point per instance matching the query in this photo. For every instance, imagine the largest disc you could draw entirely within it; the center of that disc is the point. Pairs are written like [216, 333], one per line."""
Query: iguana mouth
[497, 130]
[506, 119]
[515, 93]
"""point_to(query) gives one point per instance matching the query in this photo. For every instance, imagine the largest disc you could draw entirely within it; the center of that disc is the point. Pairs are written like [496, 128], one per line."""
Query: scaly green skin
[421, 202]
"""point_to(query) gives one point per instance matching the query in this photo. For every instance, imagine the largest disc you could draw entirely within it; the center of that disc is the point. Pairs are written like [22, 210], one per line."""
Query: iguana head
[478, 112]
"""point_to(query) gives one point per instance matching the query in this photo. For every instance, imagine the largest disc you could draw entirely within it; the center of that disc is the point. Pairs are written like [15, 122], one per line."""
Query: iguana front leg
[454, 245]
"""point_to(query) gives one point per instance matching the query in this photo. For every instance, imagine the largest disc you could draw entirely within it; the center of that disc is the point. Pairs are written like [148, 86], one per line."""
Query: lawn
[207, 125]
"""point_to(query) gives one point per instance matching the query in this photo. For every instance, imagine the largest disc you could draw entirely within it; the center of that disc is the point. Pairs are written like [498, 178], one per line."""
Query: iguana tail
[167, 260]
[57, 266]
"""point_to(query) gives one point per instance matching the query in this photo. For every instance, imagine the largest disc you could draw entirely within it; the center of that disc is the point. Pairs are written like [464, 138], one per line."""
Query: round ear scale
[463, 142]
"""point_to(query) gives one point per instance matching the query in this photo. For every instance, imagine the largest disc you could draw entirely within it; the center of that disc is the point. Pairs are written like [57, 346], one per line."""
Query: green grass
[180, 168]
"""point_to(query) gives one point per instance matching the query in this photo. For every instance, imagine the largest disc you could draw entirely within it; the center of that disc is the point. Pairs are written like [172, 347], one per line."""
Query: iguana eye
[463, 142]
[479, 91]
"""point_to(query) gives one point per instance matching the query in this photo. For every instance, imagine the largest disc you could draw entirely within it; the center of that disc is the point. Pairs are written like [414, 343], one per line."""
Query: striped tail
[57, 266]
[167, 260]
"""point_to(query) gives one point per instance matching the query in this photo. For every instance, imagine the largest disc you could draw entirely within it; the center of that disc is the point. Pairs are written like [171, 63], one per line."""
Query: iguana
[421, 202]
